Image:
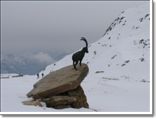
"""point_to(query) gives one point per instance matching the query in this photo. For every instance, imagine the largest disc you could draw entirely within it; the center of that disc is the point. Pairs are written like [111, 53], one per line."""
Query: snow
[13, 93]
[119, 71]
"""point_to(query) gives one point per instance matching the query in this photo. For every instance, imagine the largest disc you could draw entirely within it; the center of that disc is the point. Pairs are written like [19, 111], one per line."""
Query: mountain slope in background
[28, 63]
[124, 46]
[119, 66]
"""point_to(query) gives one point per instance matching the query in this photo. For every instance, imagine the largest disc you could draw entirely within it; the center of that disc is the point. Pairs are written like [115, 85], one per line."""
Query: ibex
[78, 56]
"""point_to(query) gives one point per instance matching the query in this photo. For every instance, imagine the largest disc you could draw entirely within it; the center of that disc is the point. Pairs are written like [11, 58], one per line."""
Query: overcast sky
[52, 26]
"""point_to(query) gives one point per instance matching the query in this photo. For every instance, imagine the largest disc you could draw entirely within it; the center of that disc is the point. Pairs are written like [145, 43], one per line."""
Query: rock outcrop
[61, 88]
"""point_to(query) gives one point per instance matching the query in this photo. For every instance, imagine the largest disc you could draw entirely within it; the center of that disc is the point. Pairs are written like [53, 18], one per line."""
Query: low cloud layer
[25, 64]
[43, 58]
[29, 26]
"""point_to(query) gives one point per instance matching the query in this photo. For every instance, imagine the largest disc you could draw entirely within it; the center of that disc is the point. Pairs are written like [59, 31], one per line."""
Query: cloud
[31, 63]
[58, 25]
[44, 58]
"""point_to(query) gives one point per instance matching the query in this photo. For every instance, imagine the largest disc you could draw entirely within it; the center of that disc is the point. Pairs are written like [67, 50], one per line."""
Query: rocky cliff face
[62, 88]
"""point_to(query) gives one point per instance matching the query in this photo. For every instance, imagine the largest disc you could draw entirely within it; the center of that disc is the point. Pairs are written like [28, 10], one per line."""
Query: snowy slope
[121, 49]
[119, 65]
[122, 57]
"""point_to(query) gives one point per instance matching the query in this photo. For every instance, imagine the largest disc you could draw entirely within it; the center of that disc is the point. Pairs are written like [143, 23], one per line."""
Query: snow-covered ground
[107, 95]
[13, 93]
[119, 70]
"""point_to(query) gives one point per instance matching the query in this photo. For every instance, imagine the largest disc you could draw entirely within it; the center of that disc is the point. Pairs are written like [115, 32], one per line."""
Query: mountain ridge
[126, 42]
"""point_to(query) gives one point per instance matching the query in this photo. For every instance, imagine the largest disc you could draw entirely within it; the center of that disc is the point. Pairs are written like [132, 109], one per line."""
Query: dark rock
[99, 72]
[123, 65]
[113, 56]
[142, 59]
[80, 97]
[59, 101]
[127, 61]
[146, 15]
[74, 98]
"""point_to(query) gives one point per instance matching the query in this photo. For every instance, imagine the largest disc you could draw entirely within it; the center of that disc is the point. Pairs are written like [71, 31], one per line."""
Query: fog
[55, 27]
